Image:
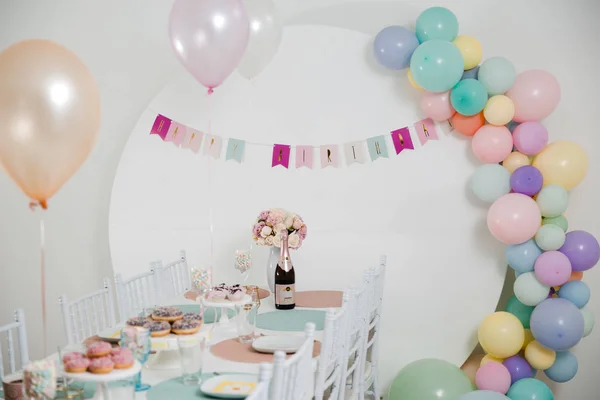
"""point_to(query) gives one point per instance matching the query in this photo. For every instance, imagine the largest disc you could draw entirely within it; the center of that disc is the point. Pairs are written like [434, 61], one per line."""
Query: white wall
[125, 46]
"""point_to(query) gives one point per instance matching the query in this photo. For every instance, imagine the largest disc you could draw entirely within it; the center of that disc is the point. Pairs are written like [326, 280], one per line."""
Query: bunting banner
[175, 133]
[281, 155]
[377, 147]
[235, 150]
[401, 139]
[304, 156]
[426, 130]
[329, 156]
[213, 146]
[354, 152]
[192, 140]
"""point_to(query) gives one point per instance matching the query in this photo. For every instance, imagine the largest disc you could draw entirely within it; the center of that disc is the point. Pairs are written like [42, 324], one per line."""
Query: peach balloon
[437, 106]
[514, 218]
[576, 276]
[562, 163]
[49, 114]
[515, 160]
[471, 366]
[492, 144]
[467, 126]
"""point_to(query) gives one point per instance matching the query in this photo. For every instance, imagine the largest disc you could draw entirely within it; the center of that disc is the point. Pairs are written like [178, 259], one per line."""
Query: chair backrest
[173, 279]
[136, 294]
[88, 315]
[261, 392]
[21, 331]
[329, 368]
[293, 378]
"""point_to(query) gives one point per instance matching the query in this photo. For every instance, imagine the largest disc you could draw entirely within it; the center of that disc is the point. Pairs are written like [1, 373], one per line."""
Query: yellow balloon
[412, 81]
[528, 338]
[538, 356]
[499, 110]
[515, 160]
[489, 358]
[470, 48]
[501, 334]
[562, 163]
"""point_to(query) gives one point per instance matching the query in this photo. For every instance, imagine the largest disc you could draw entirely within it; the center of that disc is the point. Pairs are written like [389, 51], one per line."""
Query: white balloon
[588, 320]
[529, 290]
[265, 37]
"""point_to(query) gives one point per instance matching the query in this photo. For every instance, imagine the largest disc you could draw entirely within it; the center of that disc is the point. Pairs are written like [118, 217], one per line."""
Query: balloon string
[33, 206]
[210, 205]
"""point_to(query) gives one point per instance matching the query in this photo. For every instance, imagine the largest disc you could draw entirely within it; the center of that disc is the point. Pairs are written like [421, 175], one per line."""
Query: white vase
[271, 266]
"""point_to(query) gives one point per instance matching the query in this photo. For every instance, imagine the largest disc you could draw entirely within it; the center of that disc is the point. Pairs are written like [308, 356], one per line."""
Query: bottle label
[286, 294]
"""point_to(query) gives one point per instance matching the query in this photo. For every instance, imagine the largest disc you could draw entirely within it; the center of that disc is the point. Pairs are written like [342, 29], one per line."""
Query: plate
[230, 386]
[111, 334]
[271, 344]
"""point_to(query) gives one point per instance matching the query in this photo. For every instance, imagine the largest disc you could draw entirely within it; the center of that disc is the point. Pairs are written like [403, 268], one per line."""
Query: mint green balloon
[436, 23]
[529, 389]
[552, 200]
[490, 182]
[429, 379]
[558, 221]
[497, 74]
[519, 310]
[437, 65]
[588, 320]
[550, 237]
[469, 97]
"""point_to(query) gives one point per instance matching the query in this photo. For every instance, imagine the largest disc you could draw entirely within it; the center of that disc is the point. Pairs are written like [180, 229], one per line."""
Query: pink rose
[257, 228]
[297, 223]
[263, 215]
[302, 232]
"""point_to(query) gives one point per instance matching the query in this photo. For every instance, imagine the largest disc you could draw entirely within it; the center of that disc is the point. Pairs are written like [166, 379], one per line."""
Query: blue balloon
[512, 125]
[437, 65]
[564, 368]
[471, 73]
[521, 257]
[483, 395]
[530, 389]
[557, 324]
[437, 23]
[469, 97]
[577, 292]
[394, 46]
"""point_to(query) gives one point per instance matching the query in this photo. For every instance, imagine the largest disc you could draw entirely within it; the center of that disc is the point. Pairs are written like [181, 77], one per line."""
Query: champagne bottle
[285, 277]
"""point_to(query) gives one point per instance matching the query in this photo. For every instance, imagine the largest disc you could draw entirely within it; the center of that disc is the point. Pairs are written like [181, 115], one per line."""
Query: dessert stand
[102, 380]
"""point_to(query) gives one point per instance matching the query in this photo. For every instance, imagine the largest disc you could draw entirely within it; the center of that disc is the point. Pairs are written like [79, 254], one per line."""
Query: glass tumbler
[137, 339]
[191, 352]
[246, 321]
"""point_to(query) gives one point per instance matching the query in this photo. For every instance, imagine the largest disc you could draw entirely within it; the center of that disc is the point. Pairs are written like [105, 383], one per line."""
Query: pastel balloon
[530, 389]
[468, 97]
[562, 163]
[490, 358]
[437, 23]
[564, 368]
[588, 320]
[582, 249]
[559, 221]
[471, 50]
[557, 324]
[529, 290]
[467, 126]
[521, 257]
[411, 80]
[528, 339]
[394, 46]
[577, 292]
[483, 395]
[512, 125]
[536, 94]
[492, 144]
[49, 114]
[501, 334]
[576, 276]
[526, 180]
[518, 368]
[209, 37]
[471, 73]
[550, 237]
[552, 200]
[436, 66]
[437, 106]
[515, 160]
[552, 268]
[538, 356]
[499, 110]
[490, 182]
[530, 137]
[514, 218]
[497, 75]
[493, 376]
[519, 310]
[471, 366]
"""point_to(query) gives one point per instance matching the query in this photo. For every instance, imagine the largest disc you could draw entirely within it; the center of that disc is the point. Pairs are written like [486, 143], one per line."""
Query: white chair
[21, 329]
[88, 315]
[173, 279]
[293, 378]
[328, 377]
[261, 392]
[136, 294]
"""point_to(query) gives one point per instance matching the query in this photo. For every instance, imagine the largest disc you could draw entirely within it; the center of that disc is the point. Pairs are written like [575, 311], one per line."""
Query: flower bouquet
[269, 224]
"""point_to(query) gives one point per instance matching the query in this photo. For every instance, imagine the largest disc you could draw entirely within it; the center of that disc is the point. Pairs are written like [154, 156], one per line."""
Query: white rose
[266, 231]
[294, 241]
[269, 240]
[278, 228]
[277, 240]
[260, 242]
[289, 222]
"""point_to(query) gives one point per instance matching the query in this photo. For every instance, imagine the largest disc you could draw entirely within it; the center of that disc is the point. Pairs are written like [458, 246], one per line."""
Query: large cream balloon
[562, 163]
[49, 116]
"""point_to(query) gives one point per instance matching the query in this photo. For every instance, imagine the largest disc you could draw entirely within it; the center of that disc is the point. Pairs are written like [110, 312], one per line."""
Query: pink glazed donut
[77, 365]
[101, 365]
[98, 349]
[75, 355]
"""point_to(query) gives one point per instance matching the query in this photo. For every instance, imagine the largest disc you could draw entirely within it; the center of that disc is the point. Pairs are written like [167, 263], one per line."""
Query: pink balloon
[492, 144]
[514, 218]
[552, 268]
[535, 94]
[209, 37]
[530, 137]
[493, 376]
[437, 105]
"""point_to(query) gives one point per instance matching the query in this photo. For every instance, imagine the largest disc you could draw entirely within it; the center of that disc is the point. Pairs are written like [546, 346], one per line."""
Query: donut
[122, 358]
[75, 355]
[138, 321]
[101, 365]
[159, 328]
[185, 327]
[168, 314]
[77, 365]
[192, 316]
[98, 349]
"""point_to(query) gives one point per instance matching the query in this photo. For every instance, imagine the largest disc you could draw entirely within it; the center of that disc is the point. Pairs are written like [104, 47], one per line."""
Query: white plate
[115, 375]
[271, 344]
[112, 334]
[230, 386]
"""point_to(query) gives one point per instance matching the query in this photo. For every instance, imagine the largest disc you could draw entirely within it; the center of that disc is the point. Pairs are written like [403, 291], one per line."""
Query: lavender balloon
[557, 324]
[530, 137]
[518, 367]
[394, 47]
[582, 249]
[526, 180]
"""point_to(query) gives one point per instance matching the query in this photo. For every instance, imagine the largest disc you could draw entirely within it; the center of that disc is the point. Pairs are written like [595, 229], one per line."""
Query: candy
[243, 260]
[201, 278]
[39, 379]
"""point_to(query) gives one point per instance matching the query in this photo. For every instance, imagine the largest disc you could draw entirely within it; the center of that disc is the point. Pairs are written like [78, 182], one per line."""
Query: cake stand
[167, 351]
[224, 321]
[102, 380]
